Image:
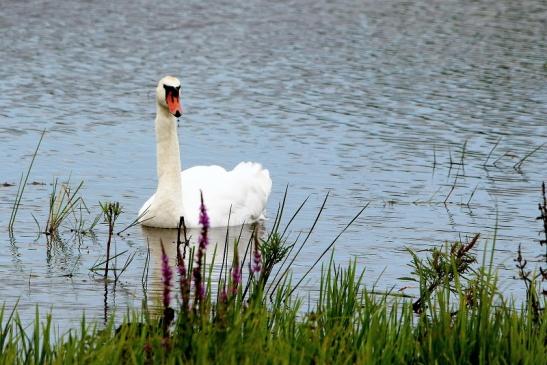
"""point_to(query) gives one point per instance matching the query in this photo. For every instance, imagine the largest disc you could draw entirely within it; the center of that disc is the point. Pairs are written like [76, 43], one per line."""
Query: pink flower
[257, 259]
[204, 221]
[183, 283]
[223, 295]
[203, 241]
[235, 272]
[236, 278]
[166, 275]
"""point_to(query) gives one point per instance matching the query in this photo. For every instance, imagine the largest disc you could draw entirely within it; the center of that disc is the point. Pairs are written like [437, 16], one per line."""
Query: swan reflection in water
[217, 238]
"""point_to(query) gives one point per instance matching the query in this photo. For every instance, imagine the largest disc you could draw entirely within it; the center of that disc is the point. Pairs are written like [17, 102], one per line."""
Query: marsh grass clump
[442, 266]
[63, 201]
[82, 226]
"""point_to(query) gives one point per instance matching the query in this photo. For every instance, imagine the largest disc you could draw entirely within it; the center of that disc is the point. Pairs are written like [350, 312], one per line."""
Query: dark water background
[369, 100]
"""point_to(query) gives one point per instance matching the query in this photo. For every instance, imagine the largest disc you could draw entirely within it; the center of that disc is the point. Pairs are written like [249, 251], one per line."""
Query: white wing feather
[239, 195]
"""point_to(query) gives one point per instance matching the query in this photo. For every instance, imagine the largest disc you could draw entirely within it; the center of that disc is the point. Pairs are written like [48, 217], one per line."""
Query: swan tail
[260, 186]
[260, 176]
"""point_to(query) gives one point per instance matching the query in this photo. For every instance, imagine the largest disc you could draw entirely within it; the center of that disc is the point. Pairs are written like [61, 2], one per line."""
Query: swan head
[168, 95]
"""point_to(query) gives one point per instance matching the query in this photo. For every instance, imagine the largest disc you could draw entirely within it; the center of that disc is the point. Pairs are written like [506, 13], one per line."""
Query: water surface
[367, 100]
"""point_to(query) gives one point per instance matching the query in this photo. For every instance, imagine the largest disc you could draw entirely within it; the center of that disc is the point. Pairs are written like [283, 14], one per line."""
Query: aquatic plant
[83, 227]
[518, 166]
[257, 257]
[62, 203]
[166, 277]
[442, 266]
[534, 280]
[21, 187]
[235, 273]
[542, 206]
[203, 241]
[111, 212]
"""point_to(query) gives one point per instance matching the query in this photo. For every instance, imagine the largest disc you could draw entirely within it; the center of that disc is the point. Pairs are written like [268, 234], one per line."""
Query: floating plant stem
[499, 159]
[136, 221]
[119, 272]
[434, 157]
[491, 151]
[451, 189]
[472, 194]
[518, 165]
[97, 266]
[463, 156]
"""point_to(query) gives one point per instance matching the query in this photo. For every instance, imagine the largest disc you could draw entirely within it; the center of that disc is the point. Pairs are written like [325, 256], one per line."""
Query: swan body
[231, 197]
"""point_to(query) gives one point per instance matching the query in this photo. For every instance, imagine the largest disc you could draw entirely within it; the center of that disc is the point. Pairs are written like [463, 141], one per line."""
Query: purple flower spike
[223, 295]
[257, 259]
[166, 276]
[236, 278]
[203, 217]
[200, 290]
[183, 283]
[235, 272]
[204, 221]
[203, 242]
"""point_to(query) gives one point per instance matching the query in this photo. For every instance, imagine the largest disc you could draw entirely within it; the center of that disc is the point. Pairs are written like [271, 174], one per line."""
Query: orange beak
[173, 103]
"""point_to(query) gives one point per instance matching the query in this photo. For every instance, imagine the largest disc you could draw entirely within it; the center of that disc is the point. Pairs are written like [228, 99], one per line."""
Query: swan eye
[171, 90]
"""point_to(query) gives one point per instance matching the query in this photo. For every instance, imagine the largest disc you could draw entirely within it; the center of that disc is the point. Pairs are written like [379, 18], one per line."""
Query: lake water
[368, 100]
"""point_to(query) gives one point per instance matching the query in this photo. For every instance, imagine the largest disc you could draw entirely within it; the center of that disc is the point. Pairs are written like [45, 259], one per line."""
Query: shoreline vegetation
[254, 316]
[249, 311]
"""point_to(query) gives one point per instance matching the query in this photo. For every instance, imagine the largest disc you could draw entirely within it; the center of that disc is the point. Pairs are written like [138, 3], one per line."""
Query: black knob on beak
[177, 114]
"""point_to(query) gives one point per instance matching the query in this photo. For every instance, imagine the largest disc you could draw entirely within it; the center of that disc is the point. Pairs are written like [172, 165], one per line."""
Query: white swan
[240, 194]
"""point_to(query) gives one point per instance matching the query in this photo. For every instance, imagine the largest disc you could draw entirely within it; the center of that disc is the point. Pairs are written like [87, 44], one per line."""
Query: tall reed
[21, 187]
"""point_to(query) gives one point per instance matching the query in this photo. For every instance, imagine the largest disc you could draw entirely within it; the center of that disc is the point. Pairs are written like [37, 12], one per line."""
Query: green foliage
[460, 317]
[442, 266]
[347, 324]
[111, 212]
[21, 187]
[62, 203]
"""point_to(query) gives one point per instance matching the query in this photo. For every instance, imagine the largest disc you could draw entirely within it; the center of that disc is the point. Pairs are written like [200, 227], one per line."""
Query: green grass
[347, 324]
[21, 187]
[63, 201]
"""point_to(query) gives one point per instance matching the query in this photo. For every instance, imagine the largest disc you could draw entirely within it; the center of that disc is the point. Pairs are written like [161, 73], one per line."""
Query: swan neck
[168, 155]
